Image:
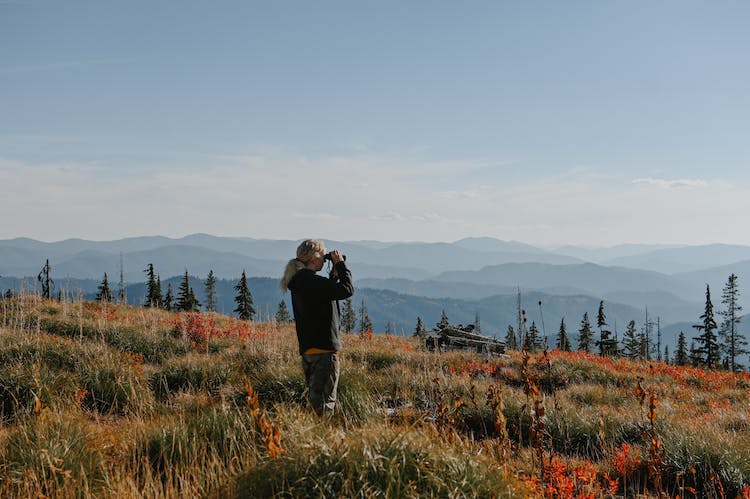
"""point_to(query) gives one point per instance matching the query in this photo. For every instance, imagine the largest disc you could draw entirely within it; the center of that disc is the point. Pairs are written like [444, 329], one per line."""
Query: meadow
[105, 400]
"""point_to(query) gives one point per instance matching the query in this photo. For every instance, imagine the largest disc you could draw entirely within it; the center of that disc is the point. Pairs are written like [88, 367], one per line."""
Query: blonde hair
[306, 251]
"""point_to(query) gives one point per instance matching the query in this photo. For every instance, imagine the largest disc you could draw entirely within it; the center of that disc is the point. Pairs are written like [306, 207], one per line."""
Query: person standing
[316, 315]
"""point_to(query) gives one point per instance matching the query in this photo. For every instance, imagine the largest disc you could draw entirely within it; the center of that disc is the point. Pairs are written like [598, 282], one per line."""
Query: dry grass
[112, 401]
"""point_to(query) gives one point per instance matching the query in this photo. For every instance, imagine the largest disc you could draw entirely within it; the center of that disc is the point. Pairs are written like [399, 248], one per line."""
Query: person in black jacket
[316, 315]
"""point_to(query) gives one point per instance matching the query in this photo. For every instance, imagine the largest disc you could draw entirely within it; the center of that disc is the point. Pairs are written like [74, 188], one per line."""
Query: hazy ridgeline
[102, 400]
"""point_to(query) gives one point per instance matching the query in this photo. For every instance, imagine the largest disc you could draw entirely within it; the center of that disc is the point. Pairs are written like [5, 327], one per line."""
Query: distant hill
[715, 277]
[669, 307]
[593, 279]
[198, 252]
[684, 259]
[601, 255]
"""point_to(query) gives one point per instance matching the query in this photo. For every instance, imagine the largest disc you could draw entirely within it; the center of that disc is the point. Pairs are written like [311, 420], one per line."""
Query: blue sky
[552, 123]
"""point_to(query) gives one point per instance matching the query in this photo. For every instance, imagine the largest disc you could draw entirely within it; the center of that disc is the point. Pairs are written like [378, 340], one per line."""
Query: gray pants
[322, 376]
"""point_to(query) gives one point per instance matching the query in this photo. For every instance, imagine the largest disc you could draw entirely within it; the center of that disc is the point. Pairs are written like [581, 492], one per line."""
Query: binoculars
[328, 257]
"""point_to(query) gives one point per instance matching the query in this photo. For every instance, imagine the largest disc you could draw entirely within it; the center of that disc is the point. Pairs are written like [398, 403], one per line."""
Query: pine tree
[122, 296]
[732, 342]
[244, 299]
[709, 349]
[607, 346]
[167, 302]
[153, 290]
[666, 354]
[477, 324]
[186, 300]
[585, 334]
[562, 343]
[533, 342]
[103, 293]
[348, 316]
[681, 357]
[443, 320]
[47, 282]
[631, 342]
[419, 329]
[282, 313]
[510, 339]
[658, 338]
[645, 344]
[388, 328]
[210, 290]
[196, 305]
[365, 324]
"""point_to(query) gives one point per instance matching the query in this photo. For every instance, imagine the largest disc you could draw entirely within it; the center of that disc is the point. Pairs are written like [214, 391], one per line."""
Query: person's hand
[336, 257]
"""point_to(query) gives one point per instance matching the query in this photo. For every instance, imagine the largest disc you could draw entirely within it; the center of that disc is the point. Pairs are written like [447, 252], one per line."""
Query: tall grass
[113, 401]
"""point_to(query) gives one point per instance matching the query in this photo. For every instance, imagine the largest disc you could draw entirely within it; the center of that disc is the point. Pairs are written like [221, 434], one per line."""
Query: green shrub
[374, 464]
[154, 347]
[114, 385]
[189, 373]
[356, 401]
[50, 452]
[69, 328]
[197, 435]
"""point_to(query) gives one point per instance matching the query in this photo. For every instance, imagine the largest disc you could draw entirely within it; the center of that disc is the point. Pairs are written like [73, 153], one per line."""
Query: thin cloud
[388, 217]
[53, 66]
[672, 184]
[316, 216]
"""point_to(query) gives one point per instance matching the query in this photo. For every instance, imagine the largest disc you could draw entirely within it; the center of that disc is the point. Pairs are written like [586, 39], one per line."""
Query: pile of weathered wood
[451, 337]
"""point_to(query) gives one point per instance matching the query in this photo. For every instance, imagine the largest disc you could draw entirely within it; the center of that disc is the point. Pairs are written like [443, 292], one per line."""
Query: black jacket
[316, 311]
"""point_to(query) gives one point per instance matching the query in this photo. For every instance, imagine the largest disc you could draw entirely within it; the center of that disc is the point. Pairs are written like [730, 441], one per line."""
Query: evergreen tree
[533, 342]
[167, 302]
[348, 317]
[244, 299]
[443, 320]
[103, 293]
[211, 292]
[47, 282]
[510, 339]
[666, 354]
[631, 342]
[563, 343]
[607, 345]
[585, 334]
[477, 324]
[194, 301]
[419, 329]
[388, 328]
[186, 300]
[365, 324]
[732, 342]
[153, 290]
[121, 292]
[681, 357]
[645, 345]
[282, 313]
[709, 347]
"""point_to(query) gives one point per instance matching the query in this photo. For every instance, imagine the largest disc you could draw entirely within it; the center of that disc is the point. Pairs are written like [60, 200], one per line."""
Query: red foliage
[472, 368]
[626, 460]
[563, 481]
[199, 329]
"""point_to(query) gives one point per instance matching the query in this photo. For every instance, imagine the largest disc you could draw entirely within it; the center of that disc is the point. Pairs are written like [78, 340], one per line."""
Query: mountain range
[400, 280]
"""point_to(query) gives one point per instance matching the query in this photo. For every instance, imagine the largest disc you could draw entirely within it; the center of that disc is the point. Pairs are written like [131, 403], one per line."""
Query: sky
[580, 122]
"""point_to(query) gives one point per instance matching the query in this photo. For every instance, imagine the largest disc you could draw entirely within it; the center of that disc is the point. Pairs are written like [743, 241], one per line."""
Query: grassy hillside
[114, 401]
